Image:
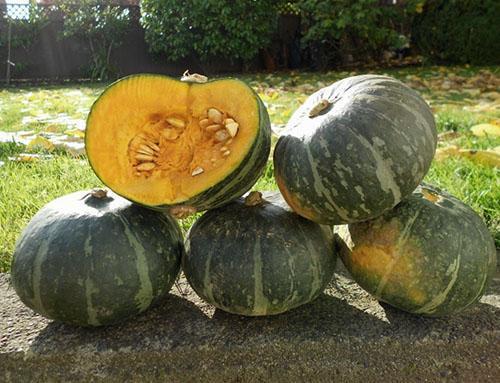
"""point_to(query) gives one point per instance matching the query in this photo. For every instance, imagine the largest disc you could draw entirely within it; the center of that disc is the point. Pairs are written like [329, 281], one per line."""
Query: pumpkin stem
[431, 195]
[181, 212]
[253, 199]
[195, 77]
[99, 193]
[318, 108]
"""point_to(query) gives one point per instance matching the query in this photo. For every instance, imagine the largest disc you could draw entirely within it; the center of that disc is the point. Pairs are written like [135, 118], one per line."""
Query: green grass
[26, 187]
[39, 108]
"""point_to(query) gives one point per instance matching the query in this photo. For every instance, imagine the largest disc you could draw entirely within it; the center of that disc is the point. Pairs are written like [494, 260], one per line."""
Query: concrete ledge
[344, 335]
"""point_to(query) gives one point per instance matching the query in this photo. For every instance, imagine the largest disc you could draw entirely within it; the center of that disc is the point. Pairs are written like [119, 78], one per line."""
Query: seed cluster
[147, 146]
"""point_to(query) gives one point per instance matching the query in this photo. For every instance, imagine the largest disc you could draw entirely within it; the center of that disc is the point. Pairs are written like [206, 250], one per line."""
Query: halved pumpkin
[176, 145]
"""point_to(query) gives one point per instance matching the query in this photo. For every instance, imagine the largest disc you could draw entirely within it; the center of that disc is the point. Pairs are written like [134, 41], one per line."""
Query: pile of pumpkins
[349, 167]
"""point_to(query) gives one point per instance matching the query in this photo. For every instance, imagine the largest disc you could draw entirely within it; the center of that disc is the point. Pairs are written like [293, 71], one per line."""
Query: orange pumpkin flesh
[148, 140]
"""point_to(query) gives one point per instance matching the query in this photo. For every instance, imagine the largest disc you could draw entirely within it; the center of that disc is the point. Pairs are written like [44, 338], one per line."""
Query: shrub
[358, 29]
[24, 31]
[459, 31]
[99, 23]
[208, 28]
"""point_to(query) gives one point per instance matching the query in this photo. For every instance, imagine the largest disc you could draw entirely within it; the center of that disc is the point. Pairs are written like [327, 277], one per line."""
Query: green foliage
[100, 23]
[360, 28]
[459, 31]
[24, 31]
[208, 28]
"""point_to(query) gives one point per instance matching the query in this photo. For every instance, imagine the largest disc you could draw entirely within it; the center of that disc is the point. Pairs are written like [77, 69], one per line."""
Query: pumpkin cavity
[183, 145]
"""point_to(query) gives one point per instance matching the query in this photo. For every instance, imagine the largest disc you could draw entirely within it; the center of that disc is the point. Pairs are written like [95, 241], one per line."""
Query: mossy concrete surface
[343, 336]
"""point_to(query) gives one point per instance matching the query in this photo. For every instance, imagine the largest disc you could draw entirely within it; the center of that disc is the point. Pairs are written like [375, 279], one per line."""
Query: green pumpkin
[176, 146]
[430, 255]
[92, 259]
[255, 257]
[355, 149]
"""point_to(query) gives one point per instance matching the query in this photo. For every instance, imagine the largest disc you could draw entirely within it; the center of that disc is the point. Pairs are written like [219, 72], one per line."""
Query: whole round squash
[178, 146]
[354, 149]
[92, 258]
[430, 255]
[255, 257]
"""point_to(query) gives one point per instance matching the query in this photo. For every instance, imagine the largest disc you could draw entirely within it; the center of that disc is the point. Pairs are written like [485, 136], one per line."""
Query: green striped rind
[239, 180]
[449, 250]
[365, 153]
[92, 262]
[257, 260]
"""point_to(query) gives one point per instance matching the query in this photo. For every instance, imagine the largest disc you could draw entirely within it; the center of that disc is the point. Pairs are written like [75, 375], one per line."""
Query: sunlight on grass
[26, 187]
[40, 108]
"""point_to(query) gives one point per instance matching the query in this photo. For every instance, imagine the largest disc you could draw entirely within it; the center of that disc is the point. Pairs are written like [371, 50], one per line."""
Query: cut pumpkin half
[180, 146]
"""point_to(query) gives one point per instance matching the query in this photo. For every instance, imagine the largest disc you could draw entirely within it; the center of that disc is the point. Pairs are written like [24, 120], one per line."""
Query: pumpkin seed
[232, 128]
[226, 153]
[204, 123]
[228, 121]
[213, 128]
[223, 148]
[176, 122]
[170, 134]
[140, 136]
[197, 170]
[153, 146]
[145, 149]
[215, 115]
[221, 135]
[146, 166]
[144, 157]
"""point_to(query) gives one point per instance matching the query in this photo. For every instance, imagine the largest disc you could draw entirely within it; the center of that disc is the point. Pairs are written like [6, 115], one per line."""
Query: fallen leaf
[51, 128]
[448, 135]
[28, 157]
[75, 132]
[40, 142]
[485, 157]
[447, 151]
[482, 130]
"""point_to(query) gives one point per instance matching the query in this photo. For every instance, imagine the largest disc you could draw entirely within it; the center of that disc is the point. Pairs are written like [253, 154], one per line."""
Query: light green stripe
[90, 288]
[37, 276]
[144, 296]
[261, 303]
[431, 306]
[384, 173]
[322, 191]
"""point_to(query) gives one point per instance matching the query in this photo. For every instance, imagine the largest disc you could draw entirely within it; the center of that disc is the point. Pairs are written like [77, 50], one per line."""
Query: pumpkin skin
[257, 260]
[430, 255]
[93, 261]
[359, 156]
[192, 171]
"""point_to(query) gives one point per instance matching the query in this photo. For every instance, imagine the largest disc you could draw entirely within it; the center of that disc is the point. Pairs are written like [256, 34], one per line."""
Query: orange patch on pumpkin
[294, 202]
[392, 262]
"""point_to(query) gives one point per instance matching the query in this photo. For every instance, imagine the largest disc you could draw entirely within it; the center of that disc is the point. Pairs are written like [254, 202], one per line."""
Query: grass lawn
[459, 96]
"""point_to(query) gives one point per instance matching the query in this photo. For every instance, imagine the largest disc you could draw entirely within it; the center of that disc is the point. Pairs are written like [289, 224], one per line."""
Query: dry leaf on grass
[489, 157]
[482, 130]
